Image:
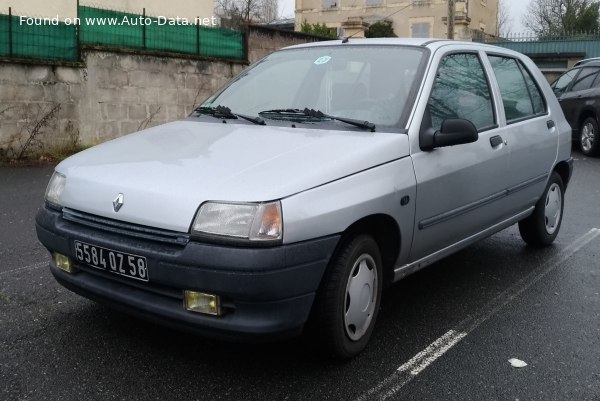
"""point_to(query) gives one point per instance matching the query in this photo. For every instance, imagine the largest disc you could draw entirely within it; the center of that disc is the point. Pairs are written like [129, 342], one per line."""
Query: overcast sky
[516, 8]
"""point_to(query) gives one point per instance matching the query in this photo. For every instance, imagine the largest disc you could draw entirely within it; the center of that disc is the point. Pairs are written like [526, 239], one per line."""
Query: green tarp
[115, 29]
[125, 30]
[53, 42]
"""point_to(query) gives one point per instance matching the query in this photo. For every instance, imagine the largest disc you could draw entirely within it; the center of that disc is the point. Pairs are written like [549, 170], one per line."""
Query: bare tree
[270, 10]
[554, 17]
[503, 19]
[237, 13]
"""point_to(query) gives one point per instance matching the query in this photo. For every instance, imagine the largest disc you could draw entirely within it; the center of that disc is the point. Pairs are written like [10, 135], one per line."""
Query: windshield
[371, 83]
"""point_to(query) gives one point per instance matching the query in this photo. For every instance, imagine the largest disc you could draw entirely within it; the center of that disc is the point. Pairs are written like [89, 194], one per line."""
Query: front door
[459, 188]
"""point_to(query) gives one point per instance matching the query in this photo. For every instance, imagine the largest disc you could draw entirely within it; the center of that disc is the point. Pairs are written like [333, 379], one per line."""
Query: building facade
[189, 9]
[410, 18]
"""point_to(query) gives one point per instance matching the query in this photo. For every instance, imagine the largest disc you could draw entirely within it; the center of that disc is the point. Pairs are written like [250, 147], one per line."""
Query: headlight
[246, 221]
[55, 189]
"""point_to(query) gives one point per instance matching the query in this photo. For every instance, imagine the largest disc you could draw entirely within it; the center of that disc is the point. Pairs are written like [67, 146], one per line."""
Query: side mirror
[454, 131]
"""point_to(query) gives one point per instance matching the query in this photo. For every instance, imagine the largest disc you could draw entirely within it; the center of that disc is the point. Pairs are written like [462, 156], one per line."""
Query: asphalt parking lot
[444, 333]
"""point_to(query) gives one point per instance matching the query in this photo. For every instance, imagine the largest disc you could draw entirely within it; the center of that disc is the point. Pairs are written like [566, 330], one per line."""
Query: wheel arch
[386, 233]
[585, 113]
[564, 171]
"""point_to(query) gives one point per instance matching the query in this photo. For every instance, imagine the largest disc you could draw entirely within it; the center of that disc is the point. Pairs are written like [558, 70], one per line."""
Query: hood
[166, 172]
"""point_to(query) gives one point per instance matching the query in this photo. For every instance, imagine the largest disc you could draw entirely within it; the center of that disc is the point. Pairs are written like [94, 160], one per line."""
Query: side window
[539, 106]
[560, 86]
[585, 79]
[521, 98]
[461, 90]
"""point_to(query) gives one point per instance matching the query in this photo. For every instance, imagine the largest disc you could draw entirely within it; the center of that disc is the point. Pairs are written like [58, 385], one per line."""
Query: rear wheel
[348, 302]
[542, 226]
[589, 139]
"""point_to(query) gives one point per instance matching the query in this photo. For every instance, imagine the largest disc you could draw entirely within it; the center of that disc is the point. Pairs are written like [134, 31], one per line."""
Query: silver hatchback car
[318, 176]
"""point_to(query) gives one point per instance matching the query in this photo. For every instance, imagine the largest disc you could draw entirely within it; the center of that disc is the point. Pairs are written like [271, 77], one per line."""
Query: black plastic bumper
[266, 292]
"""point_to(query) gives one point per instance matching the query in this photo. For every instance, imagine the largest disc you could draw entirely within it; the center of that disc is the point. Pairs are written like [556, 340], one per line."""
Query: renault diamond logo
[118, 203]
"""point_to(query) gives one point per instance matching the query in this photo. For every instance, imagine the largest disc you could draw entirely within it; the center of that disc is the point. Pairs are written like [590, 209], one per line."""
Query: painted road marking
[409, 370]
[30, 267]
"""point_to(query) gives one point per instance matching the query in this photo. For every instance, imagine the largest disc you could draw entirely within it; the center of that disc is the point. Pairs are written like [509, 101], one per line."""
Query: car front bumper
[266, 292]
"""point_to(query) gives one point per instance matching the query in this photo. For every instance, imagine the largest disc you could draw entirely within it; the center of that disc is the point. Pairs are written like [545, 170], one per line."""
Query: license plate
[112, 261]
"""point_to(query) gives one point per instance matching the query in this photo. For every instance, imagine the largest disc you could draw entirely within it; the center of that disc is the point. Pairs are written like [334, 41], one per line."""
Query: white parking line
[30, 267]
[409, 370]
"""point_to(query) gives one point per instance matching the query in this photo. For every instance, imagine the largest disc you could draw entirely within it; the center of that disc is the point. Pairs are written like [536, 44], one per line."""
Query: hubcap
[361, 293]
[587, 137]
[553, 208]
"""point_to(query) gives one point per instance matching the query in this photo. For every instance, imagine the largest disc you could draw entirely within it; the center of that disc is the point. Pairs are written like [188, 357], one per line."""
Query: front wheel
[589, 139]
[541, 228]
[347, 304]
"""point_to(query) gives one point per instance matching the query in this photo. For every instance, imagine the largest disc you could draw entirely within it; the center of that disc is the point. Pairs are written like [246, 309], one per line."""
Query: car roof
[588, 63]
[432, 44]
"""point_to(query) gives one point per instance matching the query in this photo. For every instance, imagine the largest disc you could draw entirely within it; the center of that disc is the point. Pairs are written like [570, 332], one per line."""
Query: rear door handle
[496, 141]
[550, 124]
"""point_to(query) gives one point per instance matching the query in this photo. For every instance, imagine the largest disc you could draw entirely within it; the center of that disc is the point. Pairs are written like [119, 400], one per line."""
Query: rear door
[579, 94]
[528, 129]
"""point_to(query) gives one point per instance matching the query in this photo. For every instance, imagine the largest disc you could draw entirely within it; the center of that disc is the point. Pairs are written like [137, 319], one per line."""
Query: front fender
[333, 207]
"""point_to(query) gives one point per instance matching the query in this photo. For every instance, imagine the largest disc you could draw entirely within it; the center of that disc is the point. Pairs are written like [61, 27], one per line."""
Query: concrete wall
[262, 41]
[113, 94]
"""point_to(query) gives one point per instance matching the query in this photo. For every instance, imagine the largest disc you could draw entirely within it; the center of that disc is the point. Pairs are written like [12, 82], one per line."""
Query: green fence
[22, 40]
[113, 29]
[586, 43]
[136, 31]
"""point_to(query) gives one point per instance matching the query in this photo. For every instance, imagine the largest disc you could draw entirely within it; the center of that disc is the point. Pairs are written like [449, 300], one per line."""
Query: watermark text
[119, 21]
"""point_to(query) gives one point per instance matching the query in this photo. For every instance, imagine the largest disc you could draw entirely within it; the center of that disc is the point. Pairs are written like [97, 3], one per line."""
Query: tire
[347, 303]
[542, 226]
[589, 137]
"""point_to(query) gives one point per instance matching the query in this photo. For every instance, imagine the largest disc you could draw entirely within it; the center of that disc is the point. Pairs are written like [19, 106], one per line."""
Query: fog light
[202, 303]
[63, 262]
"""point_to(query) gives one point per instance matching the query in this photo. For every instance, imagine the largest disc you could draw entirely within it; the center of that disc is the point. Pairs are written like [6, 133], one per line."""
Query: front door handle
[496, 141]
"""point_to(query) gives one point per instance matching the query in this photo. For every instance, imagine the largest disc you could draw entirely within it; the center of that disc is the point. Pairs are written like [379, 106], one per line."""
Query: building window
[374, 2]
[420, 30]
[330, 3]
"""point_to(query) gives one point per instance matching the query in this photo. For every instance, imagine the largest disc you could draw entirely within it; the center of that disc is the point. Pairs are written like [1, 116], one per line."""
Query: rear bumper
[267, 293]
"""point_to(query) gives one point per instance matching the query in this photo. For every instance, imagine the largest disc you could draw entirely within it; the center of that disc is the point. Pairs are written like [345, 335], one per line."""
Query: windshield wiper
[320, 115]
[225, 112]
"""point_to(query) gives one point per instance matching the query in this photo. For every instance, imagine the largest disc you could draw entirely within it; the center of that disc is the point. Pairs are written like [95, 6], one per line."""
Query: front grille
[128, 229]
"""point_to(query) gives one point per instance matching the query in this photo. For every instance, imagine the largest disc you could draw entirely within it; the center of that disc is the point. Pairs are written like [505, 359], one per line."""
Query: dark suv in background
[578, 92]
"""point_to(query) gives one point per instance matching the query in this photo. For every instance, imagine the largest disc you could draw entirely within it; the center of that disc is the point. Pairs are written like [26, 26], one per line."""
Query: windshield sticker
[322, 60]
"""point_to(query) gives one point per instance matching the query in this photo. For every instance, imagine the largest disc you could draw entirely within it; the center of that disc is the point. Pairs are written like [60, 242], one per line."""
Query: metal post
[78, 32]
[198, 35]
[245, 39]
[10, 32]
[451, 19]
[144, 29]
